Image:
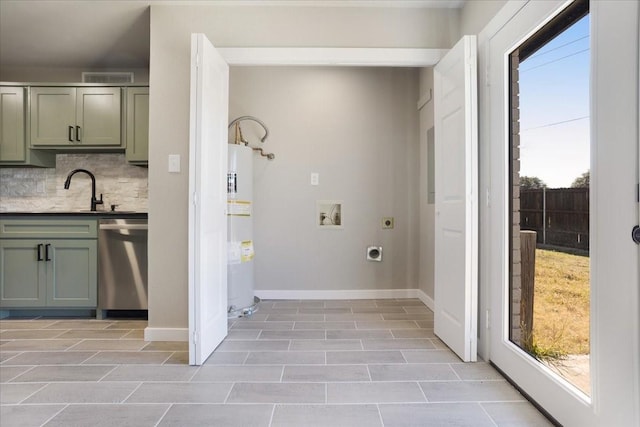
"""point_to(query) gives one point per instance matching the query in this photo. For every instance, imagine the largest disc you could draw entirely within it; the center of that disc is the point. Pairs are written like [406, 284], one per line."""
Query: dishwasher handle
[124, 227]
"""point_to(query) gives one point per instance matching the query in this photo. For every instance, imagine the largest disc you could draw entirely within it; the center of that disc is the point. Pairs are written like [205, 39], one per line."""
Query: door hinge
[195, 198]
[195, 337]
[488, 319]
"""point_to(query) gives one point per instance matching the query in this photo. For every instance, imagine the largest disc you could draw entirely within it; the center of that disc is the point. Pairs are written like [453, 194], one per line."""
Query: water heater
[240, 280]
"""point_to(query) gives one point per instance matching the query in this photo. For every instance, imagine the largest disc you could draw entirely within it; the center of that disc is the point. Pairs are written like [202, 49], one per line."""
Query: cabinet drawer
[48, 229]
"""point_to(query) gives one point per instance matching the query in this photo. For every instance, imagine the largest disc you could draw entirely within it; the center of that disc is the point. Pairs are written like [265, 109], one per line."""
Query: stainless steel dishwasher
[122, 264]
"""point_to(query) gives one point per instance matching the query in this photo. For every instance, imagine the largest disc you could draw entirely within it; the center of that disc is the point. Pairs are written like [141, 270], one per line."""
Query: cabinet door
[22, 276]
[138, 125]
[98, 116]
[72, 273]
[12, 142]
[53, 116]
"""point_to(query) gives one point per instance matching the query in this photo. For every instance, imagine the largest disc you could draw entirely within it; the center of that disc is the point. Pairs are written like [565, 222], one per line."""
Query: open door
[207, 199]
[456, 183]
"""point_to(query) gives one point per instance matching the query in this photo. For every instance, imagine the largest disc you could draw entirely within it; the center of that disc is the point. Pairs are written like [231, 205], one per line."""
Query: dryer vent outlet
[374, 253]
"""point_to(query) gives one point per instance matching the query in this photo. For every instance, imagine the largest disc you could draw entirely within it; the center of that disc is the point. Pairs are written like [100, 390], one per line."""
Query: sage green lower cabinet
[45, 272]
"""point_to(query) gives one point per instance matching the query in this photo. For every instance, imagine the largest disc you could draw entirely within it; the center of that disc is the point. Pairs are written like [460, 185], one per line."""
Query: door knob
[635, 234]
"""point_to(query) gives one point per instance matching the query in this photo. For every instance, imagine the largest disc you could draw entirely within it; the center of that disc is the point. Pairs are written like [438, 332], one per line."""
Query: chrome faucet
[94, 200]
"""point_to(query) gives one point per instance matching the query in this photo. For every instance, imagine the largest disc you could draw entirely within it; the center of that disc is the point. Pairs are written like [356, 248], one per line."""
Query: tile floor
[293, 363]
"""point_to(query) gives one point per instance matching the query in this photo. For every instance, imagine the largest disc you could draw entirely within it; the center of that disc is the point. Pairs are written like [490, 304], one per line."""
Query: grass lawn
[561, 303]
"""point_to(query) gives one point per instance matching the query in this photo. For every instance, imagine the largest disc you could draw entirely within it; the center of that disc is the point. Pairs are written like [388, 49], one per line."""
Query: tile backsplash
[42, 189]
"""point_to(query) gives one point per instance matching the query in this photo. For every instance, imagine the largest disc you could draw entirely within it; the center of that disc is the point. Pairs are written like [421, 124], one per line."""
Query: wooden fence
[560, 216]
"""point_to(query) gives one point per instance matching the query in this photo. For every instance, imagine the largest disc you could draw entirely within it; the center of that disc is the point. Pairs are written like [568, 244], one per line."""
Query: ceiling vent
[107, 77]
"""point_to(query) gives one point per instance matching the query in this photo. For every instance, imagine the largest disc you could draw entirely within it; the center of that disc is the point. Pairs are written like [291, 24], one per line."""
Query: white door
[207, 199]
[615, 293]
[456, 183]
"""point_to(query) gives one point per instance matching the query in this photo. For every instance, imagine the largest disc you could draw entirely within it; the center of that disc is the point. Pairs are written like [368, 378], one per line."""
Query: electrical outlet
[315, 178]
[387, 222]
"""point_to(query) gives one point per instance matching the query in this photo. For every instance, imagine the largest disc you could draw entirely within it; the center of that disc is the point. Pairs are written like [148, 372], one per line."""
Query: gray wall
[357, 128]
[171, 27]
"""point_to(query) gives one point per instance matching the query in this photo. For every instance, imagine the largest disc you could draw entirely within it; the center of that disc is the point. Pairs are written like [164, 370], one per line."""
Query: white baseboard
[343, 294]
[426, 299]
[166, 334]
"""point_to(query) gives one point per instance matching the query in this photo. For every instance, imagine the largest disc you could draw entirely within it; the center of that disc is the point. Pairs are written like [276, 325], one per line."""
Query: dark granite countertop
[77, 214]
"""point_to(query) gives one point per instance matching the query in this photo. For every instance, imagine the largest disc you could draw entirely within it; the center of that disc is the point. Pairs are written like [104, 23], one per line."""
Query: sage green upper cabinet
[137, 151]
[70, 117]
[14, 150]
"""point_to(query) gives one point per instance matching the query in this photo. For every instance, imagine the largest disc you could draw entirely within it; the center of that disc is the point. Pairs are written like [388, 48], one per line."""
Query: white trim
[425, 99]
[392, 4]
[365, 57]
[166, 334]
[339, 294]
[426, 299]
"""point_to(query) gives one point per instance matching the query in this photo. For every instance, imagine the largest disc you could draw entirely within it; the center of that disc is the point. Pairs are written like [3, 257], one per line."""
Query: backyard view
[550, 161]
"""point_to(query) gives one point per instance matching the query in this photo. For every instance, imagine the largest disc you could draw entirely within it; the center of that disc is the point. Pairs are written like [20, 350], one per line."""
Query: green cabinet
[14, 150]
[76, 117]
[48, 263]
[137, 124]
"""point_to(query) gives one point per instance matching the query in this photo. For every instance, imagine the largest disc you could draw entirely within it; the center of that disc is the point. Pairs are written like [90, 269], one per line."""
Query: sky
[554, 108]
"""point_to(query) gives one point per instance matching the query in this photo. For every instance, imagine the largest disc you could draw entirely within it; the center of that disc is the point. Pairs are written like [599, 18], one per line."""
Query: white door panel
[615, 299]
[208, 200]
[456, 240]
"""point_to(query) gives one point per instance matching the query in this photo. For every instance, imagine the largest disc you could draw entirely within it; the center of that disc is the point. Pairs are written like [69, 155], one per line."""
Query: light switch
[315, 178]
[174, 163]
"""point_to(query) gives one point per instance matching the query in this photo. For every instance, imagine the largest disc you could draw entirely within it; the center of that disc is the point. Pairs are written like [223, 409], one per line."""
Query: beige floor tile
[349, 303]
[430, 356]
[325, 325]
[254, 345]
[338, 310]
[128, 324]
[227, 358]
[79, 324]
[34, 345]
[277, 393]
[291, 335]
[42, 374]
[7, 355]
[373, 392]
[32, 334]
[242, 334]
[50, 358]
[426, 324]
[135, 334]
[434, 415]
[128, 357]
[285, 358]
[462, 391]
[274, 317]
[413, 333]
[407, 316]
[398, 344]
[325, 373]
[387, 324]
[109, 415]
[359, 334]
[216, 415]
[91, 392]
[352, 317]
[25, 324]
[180, 393]
[266, 326]
[213, 373]
[178, 358]
[412, 372]
[325, 345]
[28, 415]
[7, 373]
[166, 346]
[386, 309]
[515, 414]
[93, 334]
[112, 344]
[476, 371]
[11, 393]
[357, 357]
[326, 415]
[162, 373]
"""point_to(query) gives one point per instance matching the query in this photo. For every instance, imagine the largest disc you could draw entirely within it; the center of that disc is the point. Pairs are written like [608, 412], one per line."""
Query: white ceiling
[114, 33]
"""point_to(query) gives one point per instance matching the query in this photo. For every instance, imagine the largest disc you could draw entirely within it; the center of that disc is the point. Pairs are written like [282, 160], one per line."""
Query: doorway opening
[550, 173]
